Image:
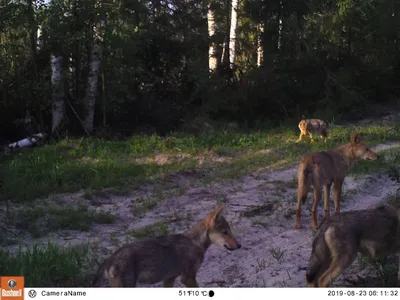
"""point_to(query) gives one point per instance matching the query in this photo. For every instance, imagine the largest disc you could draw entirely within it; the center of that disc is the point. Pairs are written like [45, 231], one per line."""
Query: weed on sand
[39, 220]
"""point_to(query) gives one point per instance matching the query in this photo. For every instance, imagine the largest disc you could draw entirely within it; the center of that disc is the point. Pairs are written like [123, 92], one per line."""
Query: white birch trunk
[39, 43]
[223, 52]
[93, 79]
[38, 37]
[280, 26]
[260, 50]
[232, 33]
[212, 51]
[57, 83]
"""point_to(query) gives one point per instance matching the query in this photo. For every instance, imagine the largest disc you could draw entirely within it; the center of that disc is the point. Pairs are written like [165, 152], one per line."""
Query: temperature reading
[189, 293]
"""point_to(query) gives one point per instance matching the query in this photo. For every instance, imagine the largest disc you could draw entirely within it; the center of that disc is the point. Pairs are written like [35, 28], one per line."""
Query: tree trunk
[232, 33]
[58, 98]
[33, 31]
[93, 79]
[260, 50]
[33, 36]
[212, 50]
[225, 50]
[280, 24]
[38, 28]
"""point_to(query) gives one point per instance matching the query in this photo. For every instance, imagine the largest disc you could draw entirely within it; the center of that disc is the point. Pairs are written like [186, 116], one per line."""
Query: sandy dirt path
[260, 208]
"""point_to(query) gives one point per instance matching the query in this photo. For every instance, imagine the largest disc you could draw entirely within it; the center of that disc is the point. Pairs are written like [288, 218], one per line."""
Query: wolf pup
[308, 126]
[322, 169]
[164, 258]
[371, 232]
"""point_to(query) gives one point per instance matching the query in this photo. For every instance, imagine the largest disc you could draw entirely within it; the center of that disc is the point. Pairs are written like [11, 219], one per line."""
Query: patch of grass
[39, 220]
[256, 223]
[49, 265]
[388, 159]
[73, 164]
[156, 229]
[141, 206]
[280, 186]
[385, 265]
[265, 209]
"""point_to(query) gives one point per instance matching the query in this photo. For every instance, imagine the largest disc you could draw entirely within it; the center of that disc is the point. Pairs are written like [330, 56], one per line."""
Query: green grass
[39, 220]
[386, 267]
[95, 164]
[156, 229]
[49, 265]
[388, 159]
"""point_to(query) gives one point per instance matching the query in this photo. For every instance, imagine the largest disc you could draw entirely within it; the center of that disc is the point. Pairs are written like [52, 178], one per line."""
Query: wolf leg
[327, 191]
[317, 198]
[337, 194]
[169, 282]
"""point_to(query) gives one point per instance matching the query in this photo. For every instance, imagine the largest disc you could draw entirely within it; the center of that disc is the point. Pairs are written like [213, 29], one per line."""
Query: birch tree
[58, 97]
[56, 16]
[212, 50]
[232, 33]
[93, 78]
[260, 50]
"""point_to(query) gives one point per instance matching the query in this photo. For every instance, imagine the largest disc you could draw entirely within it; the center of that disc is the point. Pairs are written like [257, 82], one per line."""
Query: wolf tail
[305, 179]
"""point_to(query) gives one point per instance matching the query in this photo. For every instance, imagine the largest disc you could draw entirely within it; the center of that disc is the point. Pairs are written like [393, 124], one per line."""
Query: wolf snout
[237, 246]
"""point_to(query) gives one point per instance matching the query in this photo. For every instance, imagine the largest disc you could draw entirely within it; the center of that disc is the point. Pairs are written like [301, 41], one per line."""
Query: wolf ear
[214, 216]
[218, 212]
[355, 138]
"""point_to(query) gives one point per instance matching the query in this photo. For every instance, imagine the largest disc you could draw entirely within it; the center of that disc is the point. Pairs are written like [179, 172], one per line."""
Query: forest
[127, 66]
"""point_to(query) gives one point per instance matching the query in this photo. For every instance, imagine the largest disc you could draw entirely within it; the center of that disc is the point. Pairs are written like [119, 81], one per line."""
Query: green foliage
[334, 59]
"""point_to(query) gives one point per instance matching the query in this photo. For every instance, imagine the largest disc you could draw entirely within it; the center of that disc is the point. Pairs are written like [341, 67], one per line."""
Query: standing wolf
[308, 126]
[322, 169]
[372, 232]
[164, 258]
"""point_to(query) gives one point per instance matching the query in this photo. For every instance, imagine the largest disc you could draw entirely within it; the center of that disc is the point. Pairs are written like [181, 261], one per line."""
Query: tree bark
[260, 50]
[58, 97]
[232, 33]
[212, 50]
[280, 25]
[93, 79]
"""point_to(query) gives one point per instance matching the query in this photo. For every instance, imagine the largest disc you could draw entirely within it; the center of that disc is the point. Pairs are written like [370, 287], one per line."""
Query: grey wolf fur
[371, 232]
[308, 126]
[164, 258]
[322, 169]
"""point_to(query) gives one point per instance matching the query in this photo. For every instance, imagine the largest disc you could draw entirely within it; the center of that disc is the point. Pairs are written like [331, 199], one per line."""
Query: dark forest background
[145, 65]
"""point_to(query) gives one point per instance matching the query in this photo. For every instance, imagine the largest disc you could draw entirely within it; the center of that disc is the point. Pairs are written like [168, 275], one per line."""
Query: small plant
[261, 265]
[156, 229]
[387, 268]
[278, 254]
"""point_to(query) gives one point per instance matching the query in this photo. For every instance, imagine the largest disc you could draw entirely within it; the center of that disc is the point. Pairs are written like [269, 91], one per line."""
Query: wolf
[322, 169]
[164, 258]
[308, 126]
[339, 238]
